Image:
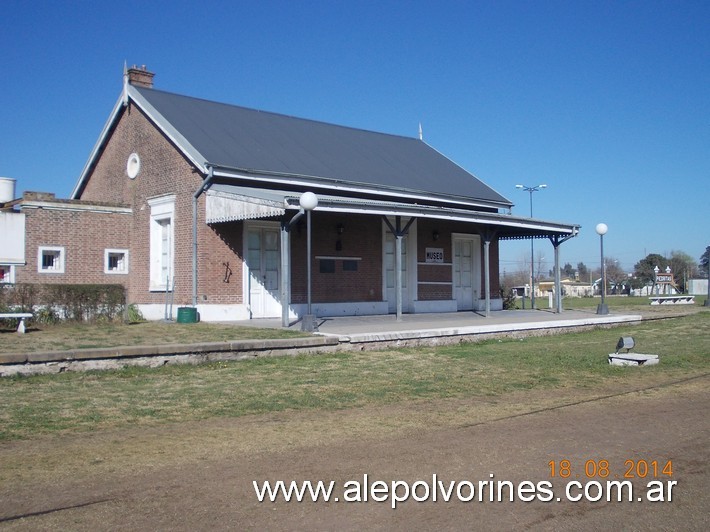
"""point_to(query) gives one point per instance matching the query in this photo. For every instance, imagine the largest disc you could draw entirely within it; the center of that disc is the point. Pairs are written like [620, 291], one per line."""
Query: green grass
[620, 302]
[71, 402]
[615, 303]
[80, 335]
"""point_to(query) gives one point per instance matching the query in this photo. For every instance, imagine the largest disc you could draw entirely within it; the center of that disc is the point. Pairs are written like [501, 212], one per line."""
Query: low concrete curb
[158, 355]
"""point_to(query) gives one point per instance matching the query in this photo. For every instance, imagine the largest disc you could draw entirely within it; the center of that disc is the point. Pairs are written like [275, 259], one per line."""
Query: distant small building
[570, 288]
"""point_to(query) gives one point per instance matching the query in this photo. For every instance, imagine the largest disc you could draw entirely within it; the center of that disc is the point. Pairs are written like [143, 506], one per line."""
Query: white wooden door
[467, 276]
[264, 268]
[390, 279]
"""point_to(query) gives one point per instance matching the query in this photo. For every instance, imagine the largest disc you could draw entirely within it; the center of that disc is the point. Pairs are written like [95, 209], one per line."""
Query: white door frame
[270, 305]
[475, 241]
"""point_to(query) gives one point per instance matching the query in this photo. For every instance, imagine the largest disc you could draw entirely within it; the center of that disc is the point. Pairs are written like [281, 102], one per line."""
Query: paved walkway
[386, 327]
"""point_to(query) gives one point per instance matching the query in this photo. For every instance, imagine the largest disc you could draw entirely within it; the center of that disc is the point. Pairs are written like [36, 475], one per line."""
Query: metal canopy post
[487, 267]
[286, 267]
[206, 184]
[487, 237]
[556, 242]
[398, 270]
[285, 273]
[399, 234]
[558, 289]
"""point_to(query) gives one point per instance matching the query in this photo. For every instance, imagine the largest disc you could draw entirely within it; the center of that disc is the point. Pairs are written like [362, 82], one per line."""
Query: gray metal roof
[267, 143]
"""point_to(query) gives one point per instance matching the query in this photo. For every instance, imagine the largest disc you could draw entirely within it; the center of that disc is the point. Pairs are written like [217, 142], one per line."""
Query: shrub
[134, 314]
[508, 298]
[71, 302]
[46, 315]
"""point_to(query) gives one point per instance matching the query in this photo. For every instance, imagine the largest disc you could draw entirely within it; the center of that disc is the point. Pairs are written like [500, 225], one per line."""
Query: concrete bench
[632, 359]
[672, 300]
[22, 316]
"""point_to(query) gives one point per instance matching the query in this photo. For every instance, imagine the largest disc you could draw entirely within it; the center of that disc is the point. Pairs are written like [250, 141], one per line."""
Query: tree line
[683, 266]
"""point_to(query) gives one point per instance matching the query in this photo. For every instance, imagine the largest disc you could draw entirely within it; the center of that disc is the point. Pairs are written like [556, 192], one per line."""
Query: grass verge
[80, 335]
[76, 402]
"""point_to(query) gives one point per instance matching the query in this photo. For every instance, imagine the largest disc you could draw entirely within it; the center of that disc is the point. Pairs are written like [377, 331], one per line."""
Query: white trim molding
[162, 242]
[56, 254]
[120, 257]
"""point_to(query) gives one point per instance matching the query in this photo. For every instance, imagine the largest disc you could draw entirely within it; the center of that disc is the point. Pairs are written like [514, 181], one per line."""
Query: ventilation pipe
[205, 185]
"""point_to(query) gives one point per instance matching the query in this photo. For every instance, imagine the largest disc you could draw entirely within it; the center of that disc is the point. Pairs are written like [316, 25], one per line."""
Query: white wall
[12, 238]
[698, 287]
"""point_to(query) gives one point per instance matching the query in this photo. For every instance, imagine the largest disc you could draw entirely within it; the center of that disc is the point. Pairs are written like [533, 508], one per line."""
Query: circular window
[133, 166]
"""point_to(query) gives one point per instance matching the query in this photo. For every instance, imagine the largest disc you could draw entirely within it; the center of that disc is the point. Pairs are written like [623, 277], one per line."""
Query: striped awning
[225, 206]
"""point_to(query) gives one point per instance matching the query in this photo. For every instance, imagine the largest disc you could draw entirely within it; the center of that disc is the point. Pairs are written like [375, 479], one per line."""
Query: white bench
[632, 359]
[17, 315]
[672, 300]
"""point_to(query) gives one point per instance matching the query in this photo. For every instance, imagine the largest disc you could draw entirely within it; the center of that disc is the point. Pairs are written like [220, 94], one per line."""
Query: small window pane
[116, 261]
[350, 265]
[51, 260]
[5, 274]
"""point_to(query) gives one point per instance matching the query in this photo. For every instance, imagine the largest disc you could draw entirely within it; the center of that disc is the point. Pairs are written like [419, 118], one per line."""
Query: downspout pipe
[205, 185]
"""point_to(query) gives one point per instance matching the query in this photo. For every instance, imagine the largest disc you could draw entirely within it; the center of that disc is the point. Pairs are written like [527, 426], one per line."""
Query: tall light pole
[601, 229]
[532, 242]
[308, 201]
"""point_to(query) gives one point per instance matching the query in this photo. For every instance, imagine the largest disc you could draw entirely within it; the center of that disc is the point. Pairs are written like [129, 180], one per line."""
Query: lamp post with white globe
[601, 229]
[308, 201]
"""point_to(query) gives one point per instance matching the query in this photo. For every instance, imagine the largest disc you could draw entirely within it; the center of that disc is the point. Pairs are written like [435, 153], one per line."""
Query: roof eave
[103, 137]
[331, 184]
[182, 144]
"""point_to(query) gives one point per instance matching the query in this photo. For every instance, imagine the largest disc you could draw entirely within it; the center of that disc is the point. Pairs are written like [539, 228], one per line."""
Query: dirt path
[199, 476]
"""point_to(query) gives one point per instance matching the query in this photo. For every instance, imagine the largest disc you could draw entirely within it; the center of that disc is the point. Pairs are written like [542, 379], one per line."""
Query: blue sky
[608, 103]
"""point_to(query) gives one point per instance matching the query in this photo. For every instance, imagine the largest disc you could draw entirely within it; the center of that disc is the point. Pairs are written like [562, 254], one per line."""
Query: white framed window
[50, 259]
[162, 245]
[7, 274]
[116, 261]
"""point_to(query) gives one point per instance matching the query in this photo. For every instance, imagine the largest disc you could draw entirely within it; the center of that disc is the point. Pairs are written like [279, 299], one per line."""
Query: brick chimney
[140, 77]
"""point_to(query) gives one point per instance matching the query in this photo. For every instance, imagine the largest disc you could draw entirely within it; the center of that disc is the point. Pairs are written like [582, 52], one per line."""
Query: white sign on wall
[434, 254]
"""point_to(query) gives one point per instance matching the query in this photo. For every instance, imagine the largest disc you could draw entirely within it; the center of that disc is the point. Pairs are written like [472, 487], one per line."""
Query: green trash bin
[187, 315]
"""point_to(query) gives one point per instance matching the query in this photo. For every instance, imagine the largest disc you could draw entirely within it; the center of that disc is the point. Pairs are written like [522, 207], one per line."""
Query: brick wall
[360, 239]
[84, 235]
[165, 171]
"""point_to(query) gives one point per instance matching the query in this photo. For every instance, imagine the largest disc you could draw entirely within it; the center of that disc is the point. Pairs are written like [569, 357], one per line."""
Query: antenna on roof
[421, 133]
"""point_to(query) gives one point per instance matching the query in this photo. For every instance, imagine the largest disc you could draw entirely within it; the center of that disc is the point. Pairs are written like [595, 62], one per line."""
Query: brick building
[46, 240]
[200, 201]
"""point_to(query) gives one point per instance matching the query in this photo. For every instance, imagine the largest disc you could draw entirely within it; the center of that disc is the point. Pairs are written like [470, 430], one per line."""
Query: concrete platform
[349, 332]
[386, 328]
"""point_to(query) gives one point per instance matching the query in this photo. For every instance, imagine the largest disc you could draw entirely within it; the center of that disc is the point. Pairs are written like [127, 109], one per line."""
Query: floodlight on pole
[532, 241]
[308, 201]
[602, 229]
